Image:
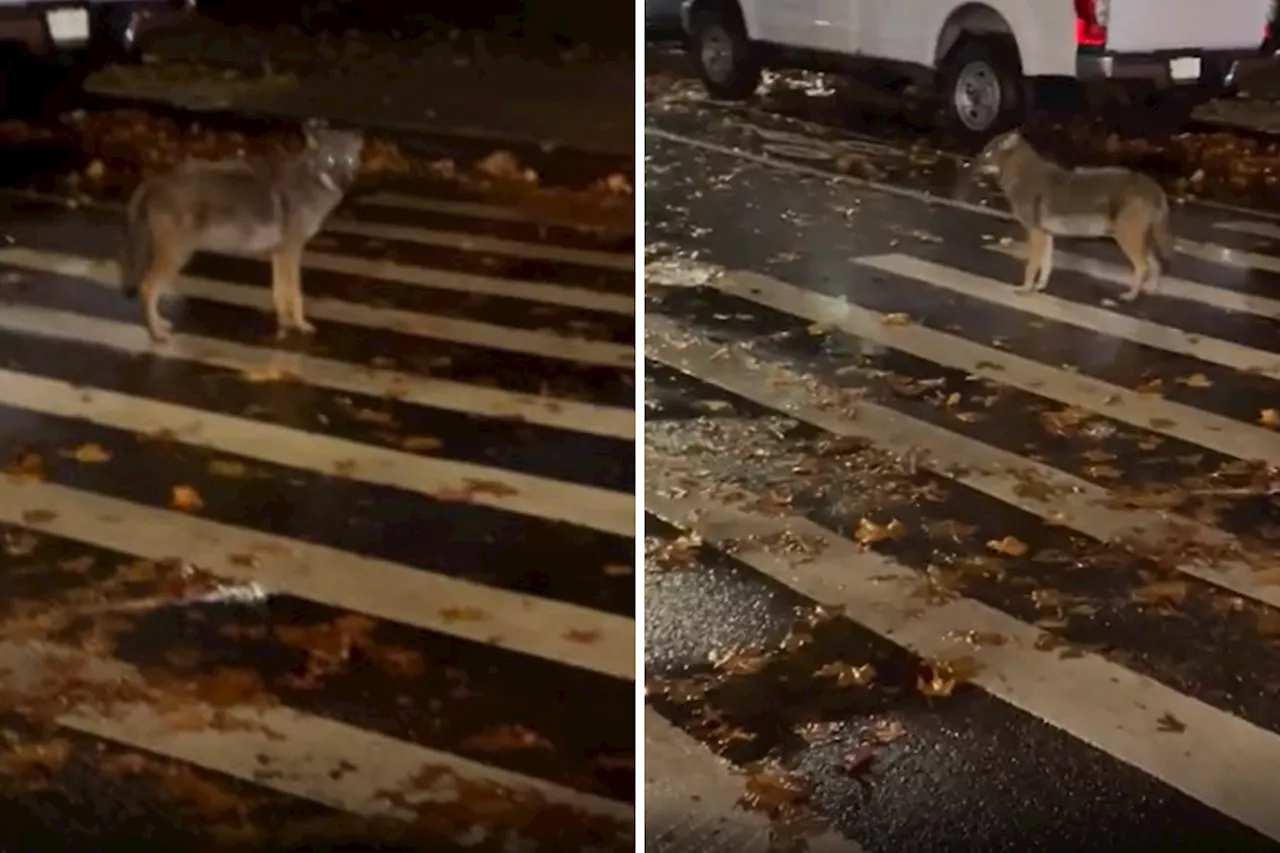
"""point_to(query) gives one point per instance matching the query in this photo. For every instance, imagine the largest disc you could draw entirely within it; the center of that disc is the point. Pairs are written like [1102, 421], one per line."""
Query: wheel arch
[969, 20]
[728, 7]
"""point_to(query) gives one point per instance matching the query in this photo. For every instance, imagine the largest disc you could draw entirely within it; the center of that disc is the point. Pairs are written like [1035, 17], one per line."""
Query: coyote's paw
[160, 331]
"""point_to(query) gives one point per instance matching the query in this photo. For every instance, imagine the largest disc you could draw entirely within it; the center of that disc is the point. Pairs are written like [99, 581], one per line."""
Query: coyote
[259, 206]
[1050, 201]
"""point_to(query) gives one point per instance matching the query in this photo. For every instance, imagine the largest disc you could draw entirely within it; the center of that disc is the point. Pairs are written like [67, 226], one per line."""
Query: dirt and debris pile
[112, 150]
[1221, 162]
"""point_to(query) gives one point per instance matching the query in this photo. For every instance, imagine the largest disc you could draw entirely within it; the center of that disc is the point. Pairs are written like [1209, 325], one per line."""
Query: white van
[985, 61]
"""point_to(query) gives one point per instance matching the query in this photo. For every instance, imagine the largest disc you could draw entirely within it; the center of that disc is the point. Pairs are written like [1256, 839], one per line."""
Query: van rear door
[1147, 26]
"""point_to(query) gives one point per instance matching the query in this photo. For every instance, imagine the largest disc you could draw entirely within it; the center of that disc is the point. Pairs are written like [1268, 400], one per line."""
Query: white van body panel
[1143, 26]
[913, 31]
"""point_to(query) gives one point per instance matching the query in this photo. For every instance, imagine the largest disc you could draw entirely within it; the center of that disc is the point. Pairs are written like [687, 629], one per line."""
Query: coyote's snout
[271, 207]
[1050, 201]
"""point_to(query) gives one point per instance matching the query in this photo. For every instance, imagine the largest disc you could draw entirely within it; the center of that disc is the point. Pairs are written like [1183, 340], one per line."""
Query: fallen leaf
[1269, 418]
[506, 739]
[124, 764]
[397, 661]
[848, 674]
[232, 468]
[774, 792]
[896, 319]
[47, 755]
[79, 565]
[942, 677]
[582, 635]
[1170, 723]
[1196, 380]
[463, 614]
[371, 416]
[89, 454]
[1008, 546]
[187, 498]
[618, 570]
[38, 516]
[26, 468]
[19, 543]
[230, 686]
[207, 798]
[860, 759]
[869, 532]
[888, 731]
[421, 444]
[267, 374]
[1171, 591]
[979, 638]
[740, 662]
[187, 718]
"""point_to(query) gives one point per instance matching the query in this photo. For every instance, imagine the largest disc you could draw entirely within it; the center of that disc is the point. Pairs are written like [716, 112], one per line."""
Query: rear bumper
[116, 27]
[1217, 68]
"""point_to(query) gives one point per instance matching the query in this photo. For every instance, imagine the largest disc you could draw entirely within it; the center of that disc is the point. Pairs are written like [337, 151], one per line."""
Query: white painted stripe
[477, 400]
[476, 210]
[386, 590]
[1171, 286]
[1257, 229]
[542, 344]
[1215, 432]
[318, 759]
[510, 491]
[480, 243]
[532, 291]
[1067, 501]
[1220, 759]
[1238, 258]
[691, 800]
[1096, 320]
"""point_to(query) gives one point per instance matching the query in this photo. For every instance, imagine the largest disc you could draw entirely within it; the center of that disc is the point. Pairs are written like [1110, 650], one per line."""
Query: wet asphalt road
[939, 568]
[370, 591]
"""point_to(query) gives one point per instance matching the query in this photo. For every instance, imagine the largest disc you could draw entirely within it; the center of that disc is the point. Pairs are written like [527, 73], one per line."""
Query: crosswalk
[934, 565]
[374, 588]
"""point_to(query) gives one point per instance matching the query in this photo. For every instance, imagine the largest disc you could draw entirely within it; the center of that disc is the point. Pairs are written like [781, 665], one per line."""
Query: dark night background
[607, 26]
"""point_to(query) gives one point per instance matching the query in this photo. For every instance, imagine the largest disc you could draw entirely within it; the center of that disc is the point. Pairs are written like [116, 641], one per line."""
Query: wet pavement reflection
[373, 590]
[937, 567]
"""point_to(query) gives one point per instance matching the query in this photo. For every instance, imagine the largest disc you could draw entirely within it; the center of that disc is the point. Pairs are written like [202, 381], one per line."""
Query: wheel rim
[977, 96]
[716, 53]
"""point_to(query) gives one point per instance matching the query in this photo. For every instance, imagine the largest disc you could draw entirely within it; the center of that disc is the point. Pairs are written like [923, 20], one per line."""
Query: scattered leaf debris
[869, 532]
[1008, 546]
[847, 674]
[89, 454]
[187, 499]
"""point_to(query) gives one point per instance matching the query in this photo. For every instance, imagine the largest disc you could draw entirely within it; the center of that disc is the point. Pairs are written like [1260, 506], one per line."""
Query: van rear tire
[981, 90]
[726, 61]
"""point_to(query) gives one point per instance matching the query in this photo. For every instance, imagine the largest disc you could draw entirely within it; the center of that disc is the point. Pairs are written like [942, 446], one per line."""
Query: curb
[556, 165]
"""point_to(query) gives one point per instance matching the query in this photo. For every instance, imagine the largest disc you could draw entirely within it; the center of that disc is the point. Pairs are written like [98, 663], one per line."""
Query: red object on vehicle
[1089, 33]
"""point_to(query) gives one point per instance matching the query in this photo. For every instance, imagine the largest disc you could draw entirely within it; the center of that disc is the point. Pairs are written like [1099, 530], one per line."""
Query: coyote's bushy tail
[136, 249]
[1162, 239]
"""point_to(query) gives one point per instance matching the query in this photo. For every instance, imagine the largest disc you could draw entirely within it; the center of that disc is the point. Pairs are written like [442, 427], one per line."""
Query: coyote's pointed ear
[1011, 139]
[310, 127]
